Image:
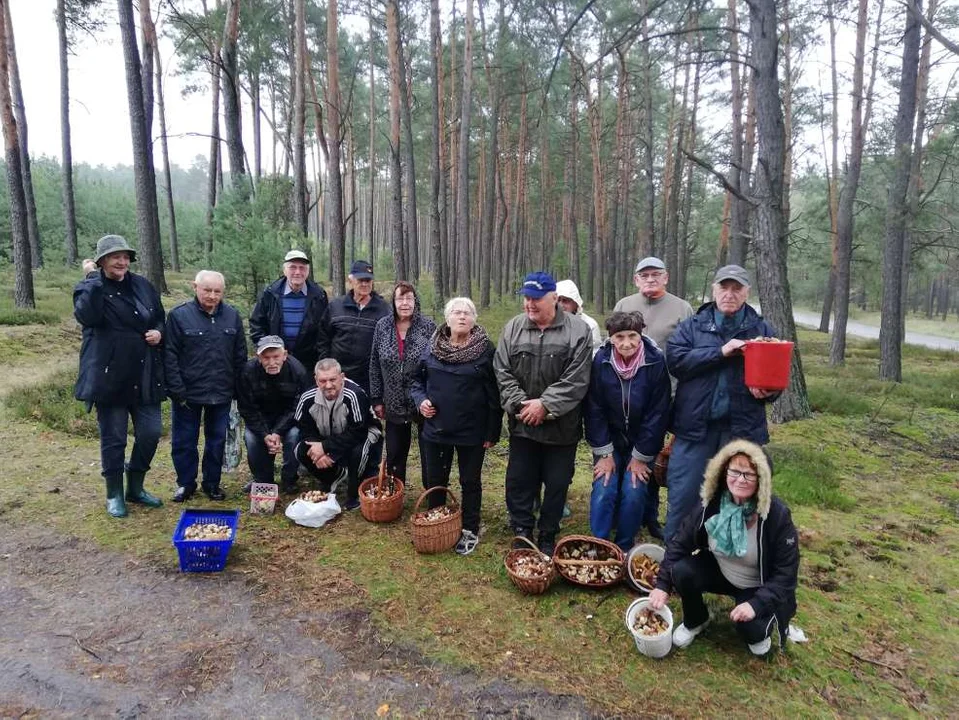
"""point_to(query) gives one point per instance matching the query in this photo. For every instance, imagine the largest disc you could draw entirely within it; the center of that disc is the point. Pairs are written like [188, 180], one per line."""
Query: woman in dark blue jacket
[121, 366]
[626, 412]
[456, 392]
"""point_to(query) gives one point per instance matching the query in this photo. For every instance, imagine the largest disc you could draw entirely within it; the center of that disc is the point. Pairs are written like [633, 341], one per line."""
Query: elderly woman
[626, 412]
[740, 542]
[455, 391]
[121, 367]
[398, 343]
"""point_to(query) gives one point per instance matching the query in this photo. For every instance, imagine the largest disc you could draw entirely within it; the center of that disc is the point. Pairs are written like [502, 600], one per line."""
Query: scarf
[728, 527]
[626, 369]
[444, 350]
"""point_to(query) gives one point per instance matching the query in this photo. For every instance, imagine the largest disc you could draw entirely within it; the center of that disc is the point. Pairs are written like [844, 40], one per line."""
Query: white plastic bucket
[656, 552]
[654, 646]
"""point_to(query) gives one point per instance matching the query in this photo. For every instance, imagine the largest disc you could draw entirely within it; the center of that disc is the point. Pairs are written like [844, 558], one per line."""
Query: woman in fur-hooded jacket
[739, 542]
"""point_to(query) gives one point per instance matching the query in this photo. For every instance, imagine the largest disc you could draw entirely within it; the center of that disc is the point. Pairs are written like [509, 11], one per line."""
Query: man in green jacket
[542, 366]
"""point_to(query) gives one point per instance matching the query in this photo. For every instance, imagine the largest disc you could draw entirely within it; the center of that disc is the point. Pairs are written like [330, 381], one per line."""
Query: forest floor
[347, 619]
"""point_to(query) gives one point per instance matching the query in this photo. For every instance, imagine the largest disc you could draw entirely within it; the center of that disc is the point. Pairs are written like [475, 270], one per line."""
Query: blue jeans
[684, 476]
[113, 421]
[621, 499]
[262, 463]
[651, 513]
[185, 434]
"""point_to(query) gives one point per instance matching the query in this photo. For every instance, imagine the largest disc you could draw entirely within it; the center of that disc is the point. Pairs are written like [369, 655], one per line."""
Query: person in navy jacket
[626, 412]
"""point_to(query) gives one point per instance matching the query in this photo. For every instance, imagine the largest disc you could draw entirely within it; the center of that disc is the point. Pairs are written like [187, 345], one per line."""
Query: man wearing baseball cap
[346, 331]
[268, 390]
[713, 404]
[291, 308]
[542, 366]
[662, 311]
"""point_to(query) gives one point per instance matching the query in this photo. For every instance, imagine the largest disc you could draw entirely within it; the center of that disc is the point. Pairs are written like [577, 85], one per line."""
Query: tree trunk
[167, 175]
[833, 186]
[890, 329]
[300, 213]
[69, 206]
[257, 125]
[738, 212]
[23, 273]
[148, 252]
[214, 171]
[487, 231]
[769, 234]
[412, 230]
[230, 82]
[593, 105]
[20, 113]
[334, 124]
[570, 182]
[372, 142]
[647, 231]
[396, 181]
[462, 183]
[437, 186]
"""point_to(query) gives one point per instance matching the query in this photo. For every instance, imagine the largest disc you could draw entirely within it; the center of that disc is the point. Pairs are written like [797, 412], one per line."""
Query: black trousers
[534, 466]
[438, 463]
[399, 437]
[700, 573]
[363, 458]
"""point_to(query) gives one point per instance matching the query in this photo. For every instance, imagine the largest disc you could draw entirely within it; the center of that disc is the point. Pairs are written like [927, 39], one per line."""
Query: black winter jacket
[694, 356]
[267, 403]
[205, 354]
[465, 396]
[346, 334]
[117, 367]
[267, 319]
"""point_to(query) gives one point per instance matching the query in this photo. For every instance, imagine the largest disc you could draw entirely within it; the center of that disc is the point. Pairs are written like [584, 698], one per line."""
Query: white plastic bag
[311, 514]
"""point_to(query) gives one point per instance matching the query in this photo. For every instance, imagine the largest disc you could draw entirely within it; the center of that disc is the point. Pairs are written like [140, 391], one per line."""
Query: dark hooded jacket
[346, 334]
[117, 367]
[776, 535]
[390, 374]
[695, 358]
[267, 319]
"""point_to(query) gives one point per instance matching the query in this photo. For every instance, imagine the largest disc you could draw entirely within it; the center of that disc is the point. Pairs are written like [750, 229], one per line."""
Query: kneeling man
[339, 434]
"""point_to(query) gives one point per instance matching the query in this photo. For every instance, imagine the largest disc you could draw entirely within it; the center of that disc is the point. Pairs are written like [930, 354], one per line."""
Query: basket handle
[530, 543]
[416, 507]
[382, 474]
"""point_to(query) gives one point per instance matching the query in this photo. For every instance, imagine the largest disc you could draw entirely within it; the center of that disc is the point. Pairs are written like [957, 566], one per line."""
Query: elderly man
[542, 367]
[713, 404]
[205, 353]
[572, 302]
[662, 311]
[346, 331]
[339, 433]
[267, 393]
[291, 308]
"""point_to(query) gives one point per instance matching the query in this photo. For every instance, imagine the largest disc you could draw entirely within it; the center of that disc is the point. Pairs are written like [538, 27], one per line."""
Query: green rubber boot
[136, 493]
[115, 505]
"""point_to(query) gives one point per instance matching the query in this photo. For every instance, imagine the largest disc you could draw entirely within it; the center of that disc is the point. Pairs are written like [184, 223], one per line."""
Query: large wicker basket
[436, 536]
[614, 557]
[382, 508]
[537, 584]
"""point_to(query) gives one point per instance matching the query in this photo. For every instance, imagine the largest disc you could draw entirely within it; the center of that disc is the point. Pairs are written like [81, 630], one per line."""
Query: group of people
[332, 380]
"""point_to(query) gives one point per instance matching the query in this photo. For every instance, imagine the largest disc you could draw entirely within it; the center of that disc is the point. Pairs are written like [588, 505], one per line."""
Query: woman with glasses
[740, 542]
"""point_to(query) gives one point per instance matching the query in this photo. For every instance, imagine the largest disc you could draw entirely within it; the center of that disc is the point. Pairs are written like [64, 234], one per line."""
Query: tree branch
[723, 180]
[930, 28]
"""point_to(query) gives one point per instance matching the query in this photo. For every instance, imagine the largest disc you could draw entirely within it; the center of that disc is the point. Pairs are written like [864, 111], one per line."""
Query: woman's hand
[426, 409]
[487, 444]
[604, 468]
[657, 599]
[379, 411]
[742, 613]
[153, 337]
[639, 470]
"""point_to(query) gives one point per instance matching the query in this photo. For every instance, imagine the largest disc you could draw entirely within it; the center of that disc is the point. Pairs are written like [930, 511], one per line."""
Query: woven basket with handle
[388, 503]
[537, 584]
[436, 536]
[614, 557]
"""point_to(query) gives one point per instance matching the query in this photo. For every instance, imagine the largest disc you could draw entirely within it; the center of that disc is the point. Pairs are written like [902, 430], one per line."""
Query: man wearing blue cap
[542, 365]
[346, 330]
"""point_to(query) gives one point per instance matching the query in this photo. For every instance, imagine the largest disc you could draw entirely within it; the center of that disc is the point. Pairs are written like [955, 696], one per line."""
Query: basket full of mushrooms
[589, 561]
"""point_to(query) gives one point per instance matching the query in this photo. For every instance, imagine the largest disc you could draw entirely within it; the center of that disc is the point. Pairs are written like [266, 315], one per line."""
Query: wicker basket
[612, 551]
[381, 509]
[438, 535]
[528, 585]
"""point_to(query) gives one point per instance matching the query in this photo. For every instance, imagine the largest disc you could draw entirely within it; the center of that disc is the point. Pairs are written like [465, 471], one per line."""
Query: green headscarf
[728, 527]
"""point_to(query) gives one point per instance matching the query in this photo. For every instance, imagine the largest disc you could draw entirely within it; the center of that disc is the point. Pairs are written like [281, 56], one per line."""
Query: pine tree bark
[833, 186]
[738, 211]
[570, 183]
[230, 83]
[647, 230]
[411, 221]
[299, 118]
[768, 229]
[396, 182]
[213, 167]
[890, 328]
[437, 171]
[66, 147]
[334, 124]
[462, 183]
[149, 41]
[372, 140]
[488, 218]
[167, 175]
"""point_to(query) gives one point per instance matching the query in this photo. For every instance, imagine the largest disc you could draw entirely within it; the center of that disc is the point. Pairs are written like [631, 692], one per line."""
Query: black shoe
[215, 494]
[289, 488]
[655, 530]
[522, 533]
[182, 494]
[547, 546]
[248, 488]
[352, 504]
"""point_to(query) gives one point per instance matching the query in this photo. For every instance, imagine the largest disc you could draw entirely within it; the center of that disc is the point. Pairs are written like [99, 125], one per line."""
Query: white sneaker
[467, 542]
[683, 636]
[761, 648]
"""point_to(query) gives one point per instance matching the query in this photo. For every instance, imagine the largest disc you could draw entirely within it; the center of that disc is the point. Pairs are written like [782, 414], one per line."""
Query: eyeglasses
[650, 276]
[744, 475]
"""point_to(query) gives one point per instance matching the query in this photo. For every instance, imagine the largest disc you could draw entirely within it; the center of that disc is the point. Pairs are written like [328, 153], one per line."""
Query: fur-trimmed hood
[714, 479]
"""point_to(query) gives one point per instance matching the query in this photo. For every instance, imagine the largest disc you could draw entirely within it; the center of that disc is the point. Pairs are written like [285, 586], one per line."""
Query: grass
[871, 481]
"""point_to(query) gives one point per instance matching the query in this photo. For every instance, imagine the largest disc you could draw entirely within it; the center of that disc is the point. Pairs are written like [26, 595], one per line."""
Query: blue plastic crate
[204, 555]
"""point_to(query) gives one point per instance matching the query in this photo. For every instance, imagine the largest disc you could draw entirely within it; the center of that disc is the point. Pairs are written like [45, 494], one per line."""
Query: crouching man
[268, 392]
[339, 434]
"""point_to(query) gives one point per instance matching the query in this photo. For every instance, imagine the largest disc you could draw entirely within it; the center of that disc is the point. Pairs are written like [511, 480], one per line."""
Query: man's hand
[426, 409]
[88, 266]
[733, 347]
[742, 613]
[325, 462]
[657, 599]
[153, 337]
[315, 452]
[379, 411]
[274, 443]
[639, 470]
[532, 412]
[604, 468]
[487, 444]
[760, 393]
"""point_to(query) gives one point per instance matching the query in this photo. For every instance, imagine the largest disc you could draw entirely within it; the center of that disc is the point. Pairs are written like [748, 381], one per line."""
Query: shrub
[52, 403]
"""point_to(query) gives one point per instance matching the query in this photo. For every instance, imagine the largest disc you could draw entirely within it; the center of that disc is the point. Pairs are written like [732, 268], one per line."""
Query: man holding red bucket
[713, 404]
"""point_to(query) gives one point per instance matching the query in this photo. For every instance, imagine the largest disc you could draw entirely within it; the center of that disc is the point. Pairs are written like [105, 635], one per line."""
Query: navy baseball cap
[361, 270]
[537, 284]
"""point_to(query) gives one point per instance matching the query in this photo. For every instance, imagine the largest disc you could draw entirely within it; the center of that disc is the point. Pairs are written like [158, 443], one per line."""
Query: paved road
[857, 329]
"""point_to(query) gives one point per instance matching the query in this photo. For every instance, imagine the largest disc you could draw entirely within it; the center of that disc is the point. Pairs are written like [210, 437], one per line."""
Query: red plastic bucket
[767, 364]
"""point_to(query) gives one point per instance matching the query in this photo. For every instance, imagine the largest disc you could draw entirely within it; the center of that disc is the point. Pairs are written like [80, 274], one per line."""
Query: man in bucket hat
[542, 366]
